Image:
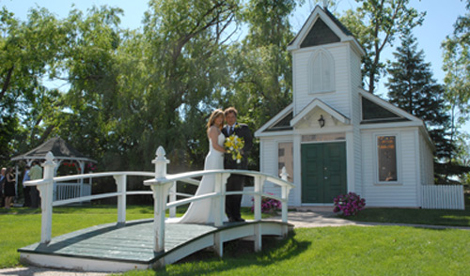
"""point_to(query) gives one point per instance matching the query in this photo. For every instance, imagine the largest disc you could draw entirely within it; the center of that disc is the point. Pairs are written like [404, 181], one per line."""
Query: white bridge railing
[163, 186]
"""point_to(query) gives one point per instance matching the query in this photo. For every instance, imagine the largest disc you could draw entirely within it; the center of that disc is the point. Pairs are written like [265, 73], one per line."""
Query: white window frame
[398, 159]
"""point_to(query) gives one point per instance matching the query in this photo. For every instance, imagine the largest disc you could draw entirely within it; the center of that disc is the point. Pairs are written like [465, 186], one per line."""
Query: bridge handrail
[161, 183]
[39, 182]
[57, 179]
[193, 174]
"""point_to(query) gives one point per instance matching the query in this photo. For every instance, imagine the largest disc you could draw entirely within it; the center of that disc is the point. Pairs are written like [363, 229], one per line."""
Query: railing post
[46, 194]
[121, 183]
[259, 183]
[258, 190]
[219, 201]
[173, 199]
[160, 189]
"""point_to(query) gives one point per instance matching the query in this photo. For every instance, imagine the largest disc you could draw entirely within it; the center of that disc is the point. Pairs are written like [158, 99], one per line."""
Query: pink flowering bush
[268, 205]
[349, 204]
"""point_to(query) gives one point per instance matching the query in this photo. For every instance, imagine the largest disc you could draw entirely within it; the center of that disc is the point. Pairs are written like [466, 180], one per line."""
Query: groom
[235, 182]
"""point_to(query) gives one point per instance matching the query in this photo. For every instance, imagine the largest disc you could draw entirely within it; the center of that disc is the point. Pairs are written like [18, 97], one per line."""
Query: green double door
[323, 172]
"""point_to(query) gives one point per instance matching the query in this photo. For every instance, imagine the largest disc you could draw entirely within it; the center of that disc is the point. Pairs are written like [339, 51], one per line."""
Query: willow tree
[185, 67]
[261, 64]
[88, 67]
[28, 51]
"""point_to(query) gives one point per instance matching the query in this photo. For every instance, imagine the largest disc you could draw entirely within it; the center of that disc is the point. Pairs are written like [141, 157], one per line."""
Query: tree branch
[6, 83]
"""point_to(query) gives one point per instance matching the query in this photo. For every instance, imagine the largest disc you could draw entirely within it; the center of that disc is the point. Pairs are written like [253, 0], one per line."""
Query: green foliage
[127, 92]
[456, 64]
[186, 40]
[261, 66]
[130, 91]
[376, 24]
[28, 52]
[412, 88]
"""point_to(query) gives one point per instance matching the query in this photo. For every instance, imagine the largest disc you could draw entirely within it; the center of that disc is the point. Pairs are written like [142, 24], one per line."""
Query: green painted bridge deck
[120, 248]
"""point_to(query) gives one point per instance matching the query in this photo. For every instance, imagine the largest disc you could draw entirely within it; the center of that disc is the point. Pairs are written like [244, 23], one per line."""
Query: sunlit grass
[416, 216]
[378, 250]
[351, 250]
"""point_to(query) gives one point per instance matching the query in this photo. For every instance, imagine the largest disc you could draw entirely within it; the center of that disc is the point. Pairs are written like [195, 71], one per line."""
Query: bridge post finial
[160, 162]
[284, 175]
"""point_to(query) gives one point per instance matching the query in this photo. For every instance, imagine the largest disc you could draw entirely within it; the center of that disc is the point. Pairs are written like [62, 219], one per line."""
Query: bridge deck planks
[132, 242]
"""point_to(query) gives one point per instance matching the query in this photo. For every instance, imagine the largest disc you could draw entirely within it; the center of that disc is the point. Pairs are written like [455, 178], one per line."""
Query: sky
[438, 23]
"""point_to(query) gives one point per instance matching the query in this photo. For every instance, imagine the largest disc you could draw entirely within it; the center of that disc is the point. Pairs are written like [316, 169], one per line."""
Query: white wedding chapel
[335, 137]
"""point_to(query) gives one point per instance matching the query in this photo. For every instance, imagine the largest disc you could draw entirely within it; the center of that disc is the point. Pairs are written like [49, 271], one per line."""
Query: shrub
[349, 204]
[268, 205]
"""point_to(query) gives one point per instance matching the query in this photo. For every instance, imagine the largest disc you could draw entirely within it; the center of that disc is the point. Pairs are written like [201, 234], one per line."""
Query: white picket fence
[443, 197]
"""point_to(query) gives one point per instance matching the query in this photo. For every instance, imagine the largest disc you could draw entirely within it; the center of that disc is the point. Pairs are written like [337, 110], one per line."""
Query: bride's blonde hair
[215, 114]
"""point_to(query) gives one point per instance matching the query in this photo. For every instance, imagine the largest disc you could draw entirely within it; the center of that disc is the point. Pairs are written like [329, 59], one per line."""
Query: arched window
[321, 71]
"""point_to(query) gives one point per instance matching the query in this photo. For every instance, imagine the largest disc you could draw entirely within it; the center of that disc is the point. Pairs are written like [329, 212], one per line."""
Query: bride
[202, 211]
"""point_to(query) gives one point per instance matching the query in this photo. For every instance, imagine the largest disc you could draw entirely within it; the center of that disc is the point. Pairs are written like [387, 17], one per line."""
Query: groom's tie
[230, 130]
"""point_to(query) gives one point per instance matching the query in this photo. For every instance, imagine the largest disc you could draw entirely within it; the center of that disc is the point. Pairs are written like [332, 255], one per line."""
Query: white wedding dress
[203, 211]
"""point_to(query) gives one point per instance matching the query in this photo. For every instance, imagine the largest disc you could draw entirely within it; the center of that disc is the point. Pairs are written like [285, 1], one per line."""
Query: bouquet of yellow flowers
[234, 145]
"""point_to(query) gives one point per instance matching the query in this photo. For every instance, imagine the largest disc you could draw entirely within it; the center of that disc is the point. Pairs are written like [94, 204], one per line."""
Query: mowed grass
[378, 250]
[416, 216]
[351, 250]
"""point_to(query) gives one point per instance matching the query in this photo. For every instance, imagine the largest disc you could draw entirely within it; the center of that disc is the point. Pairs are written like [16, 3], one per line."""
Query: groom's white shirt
[230, 127]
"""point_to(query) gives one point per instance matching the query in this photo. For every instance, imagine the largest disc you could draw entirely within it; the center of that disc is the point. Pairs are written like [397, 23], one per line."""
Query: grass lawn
[416, 216]
[351, 250]
[379, 250]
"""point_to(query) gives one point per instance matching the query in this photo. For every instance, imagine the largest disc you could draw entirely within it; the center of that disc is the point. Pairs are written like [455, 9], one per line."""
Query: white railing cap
[183, 176]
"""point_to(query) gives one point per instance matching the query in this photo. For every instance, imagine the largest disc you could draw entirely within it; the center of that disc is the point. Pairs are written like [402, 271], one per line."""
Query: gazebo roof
[59, 148]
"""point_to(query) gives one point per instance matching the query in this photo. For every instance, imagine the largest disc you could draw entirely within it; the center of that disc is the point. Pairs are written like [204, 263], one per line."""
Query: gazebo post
[82, 171]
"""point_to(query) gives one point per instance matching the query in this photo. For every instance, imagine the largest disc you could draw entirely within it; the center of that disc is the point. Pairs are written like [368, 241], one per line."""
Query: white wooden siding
[340, 98]
[355, 67]
[269, 150]
[269, 164]
[355, 77]
[403, 193]
[427, 162]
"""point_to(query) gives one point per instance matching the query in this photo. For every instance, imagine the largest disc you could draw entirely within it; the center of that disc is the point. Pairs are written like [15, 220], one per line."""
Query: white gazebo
[62, 152]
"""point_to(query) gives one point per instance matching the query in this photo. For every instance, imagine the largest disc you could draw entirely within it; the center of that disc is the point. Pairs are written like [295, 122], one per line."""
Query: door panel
[323, 172]
[312, 173]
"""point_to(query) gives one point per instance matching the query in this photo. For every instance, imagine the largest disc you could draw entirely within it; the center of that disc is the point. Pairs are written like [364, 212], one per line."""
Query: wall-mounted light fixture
[321, 121]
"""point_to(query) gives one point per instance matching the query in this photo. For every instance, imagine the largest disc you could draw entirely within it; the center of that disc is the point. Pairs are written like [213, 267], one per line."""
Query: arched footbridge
[127, 245]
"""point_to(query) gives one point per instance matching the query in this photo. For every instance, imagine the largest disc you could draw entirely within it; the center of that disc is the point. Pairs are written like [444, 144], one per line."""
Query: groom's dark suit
[236, 182]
